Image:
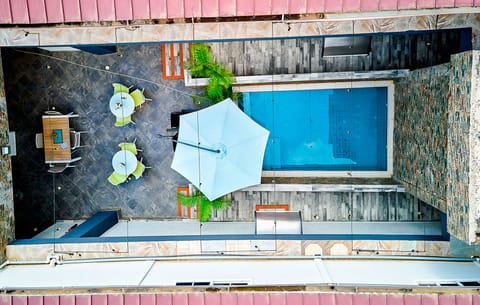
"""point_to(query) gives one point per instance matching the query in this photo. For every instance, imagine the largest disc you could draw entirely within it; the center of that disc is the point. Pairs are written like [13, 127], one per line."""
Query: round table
[122, 104]
[124, 162]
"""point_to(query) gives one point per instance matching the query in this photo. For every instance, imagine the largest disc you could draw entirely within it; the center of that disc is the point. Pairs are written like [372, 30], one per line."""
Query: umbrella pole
[198, 146]
[192, 145]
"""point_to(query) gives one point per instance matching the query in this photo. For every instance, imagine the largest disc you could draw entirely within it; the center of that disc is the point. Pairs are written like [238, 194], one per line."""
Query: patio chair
[59, 168]
[116, 178]
[131, 147]
[74, 160]
[138, 97]
[39, 140]
[122, 121]
[53, 112]
[117, 88]
[76, 137]
[138, 172]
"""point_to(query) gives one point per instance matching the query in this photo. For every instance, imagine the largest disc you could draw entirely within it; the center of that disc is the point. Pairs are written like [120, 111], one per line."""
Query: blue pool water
[328, 129]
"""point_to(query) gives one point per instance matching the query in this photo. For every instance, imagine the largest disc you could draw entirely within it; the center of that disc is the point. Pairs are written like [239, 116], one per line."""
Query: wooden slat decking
[290, 56]
[332, 206]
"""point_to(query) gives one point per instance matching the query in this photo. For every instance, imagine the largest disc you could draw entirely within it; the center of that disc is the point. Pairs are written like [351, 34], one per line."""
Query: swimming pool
[323, 129]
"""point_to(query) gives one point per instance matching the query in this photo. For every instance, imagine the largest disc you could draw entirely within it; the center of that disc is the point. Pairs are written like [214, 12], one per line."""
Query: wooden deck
[305, 55]
[333, 206]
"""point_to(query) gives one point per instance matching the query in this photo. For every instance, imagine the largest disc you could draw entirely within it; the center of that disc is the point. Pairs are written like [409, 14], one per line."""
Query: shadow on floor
[79, 82]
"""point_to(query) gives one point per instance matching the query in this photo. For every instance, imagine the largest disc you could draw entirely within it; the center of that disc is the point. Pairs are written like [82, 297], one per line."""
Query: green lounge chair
[138, 97]
[138, 172]
[117, 88]
[116, 178]
[131, 147]
[122, 121]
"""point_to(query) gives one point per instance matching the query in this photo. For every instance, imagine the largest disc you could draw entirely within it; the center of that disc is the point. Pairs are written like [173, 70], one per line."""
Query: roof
[67, 11]
[244, 298]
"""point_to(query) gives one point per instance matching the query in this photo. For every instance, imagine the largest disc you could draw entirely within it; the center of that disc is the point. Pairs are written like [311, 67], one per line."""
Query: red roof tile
[71, 11]
[67, 300]
[99, 299]
[35, 300]
[123, 10]
[351, 6]
[295, 6]
[88, 10]
[175, 9]
[158, 9]
[19, 11]
[193, 8]
[394, 299]
[244, 298]
[59, 11]
[54, 10]
[83, 299]
[37, 6]
[147, 299]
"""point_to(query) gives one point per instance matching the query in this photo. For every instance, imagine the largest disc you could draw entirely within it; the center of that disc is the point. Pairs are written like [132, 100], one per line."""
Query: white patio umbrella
[220, 149]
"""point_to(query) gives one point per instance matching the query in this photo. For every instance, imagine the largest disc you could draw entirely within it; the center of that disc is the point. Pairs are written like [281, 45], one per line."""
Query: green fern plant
[219, 86]
[201, 60]
[205, 205]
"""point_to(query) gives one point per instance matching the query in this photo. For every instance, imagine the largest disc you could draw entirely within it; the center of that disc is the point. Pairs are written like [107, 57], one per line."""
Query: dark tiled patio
[36, 83]
[79, 82]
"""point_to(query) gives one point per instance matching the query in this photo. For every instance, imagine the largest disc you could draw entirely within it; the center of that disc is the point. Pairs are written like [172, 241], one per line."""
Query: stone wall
[420, 134]
[437, 140]
[7, 226]
[463, 158]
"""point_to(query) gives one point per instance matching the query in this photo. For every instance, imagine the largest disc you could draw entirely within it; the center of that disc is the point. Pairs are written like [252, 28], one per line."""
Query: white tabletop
[124, 162]
[121, 104]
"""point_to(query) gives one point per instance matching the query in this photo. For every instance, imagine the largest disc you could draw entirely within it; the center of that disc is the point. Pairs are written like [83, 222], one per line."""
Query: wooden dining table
[56, 138]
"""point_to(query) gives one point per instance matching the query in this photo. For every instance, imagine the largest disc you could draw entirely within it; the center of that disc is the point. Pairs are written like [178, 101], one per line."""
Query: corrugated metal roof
[244, 298]
[66, 11]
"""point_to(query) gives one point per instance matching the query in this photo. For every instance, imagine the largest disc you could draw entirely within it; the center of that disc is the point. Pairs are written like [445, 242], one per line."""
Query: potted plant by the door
[205, 206]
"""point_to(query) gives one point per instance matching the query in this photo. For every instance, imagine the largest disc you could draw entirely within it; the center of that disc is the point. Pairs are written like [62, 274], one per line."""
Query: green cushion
[138, 172]
[116, 178]
[131, 147]
[122, 121]
[138, 97]
[117, 88]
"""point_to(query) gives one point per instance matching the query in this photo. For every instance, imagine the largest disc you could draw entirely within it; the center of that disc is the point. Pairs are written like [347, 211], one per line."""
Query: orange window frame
[185, 190]
[171, 62]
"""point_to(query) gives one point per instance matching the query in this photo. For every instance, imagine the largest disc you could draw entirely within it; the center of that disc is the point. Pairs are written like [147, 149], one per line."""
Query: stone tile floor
[36, 83]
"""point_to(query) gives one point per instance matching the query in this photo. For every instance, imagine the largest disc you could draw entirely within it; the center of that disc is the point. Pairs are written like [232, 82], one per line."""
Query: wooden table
[56, 152]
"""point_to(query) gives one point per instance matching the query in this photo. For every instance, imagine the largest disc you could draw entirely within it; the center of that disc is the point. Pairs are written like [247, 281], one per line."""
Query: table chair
[131, 147]
[59, 168]
[76, 137]
[39, 140]
[117, 88]
[122, 121]
[138, 97]
[138, 172]
[53, 112]
[116, 178]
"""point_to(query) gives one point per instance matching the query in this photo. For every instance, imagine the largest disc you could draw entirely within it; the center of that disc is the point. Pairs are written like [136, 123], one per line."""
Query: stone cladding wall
[437, 140]
[420, 134]
[463, 158]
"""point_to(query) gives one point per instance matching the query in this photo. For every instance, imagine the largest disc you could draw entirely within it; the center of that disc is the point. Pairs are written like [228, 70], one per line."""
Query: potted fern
[220, 82]
[205, 206]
